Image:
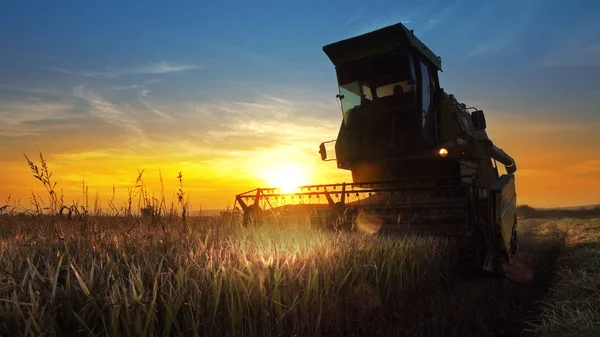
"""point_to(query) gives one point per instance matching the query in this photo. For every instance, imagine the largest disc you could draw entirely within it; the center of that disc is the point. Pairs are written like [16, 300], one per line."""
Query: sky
[232, 94]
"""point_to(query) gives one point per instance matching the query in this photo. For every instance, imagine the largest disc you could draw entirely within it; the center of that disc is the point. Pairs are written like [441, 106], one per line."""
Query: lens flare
[368, 223]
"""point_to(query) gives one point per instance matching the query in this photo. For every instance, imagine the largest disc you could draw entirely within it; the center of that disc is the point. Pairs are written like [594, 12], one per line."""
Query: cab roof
[379, 41]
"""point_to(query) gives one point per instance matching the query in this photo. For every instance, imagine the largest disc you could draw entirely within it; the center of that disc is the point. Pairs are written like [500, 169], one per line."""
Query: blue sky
[520, 50]
[190, 77]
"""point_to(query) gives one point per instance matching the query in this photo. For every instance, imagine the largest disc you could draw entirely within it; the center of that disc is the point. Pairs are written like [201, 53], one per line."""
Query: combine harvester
[421, 162]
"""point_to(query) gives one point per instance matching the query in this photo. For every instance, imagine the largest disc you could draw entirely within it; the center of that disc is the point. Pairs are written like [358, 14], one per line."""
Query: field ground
[572, 307]
[128, 276]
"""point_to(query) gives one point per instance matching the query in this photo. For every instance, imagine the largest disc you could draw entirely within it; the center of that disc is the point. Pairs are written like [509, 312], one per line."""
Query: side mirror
[323, 151]
[478, 119]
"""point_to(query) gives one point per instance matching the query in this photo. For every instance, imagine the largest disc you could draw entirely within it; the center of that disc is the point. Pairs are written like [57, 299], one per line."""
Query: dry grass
[151, 270]
[212, 281]
[573, 308]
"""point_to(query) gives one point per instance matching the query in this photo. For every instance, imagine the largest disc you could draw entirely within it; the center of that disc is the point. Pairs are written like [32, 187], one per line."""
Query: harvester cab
[421, 162]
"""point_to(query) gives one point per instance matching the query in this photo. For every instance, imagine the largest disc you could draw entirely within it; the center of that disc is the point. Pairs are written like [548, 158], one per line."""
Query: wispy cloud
[142, 85]
[278, 120]
[162, 67]
[33, 90]
[497, 34]
[27, 127]
[278, 99]
[496, 44]
[18, 112]
[126, 87]
[145, 100]
[578, 55]
[106, 111]
[350, 20]
[101, 74]
[501, 39]
[417, 17]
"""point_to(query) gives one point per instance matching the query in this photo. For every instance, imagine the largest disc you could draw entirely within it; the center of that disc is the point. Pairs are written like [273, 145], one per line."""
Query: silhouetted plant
[148, 211]
[44, 175]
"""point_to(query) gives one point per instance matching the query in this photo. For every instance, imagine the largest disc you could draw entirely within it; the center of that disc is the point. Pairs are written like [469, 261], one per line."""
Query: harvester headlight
[443, 152]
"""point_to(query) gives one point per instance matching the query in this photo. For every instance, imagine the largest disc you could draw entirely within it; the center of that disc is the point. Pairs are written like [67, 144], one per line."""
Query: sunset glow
[236, 104]
[287, 177]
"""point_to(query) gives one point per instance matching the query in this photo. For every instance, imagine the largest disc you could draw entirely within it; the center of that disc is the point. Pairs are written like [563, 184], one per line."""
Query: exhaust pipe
[501, 156]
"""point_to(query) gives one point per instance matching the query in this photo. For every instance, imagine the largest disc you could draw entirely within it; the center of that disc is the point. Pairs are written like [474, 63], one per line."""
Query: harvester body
[421, 161]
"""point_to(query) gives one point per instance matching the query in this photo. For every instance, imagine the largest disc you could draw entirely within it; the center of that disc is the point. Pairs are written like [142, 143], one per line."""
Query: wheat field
[153, 270]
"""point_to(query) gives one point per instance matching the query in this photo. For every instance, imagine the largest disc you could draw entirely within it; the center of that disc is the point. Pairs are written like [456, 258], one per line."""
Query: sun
[287, 177]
